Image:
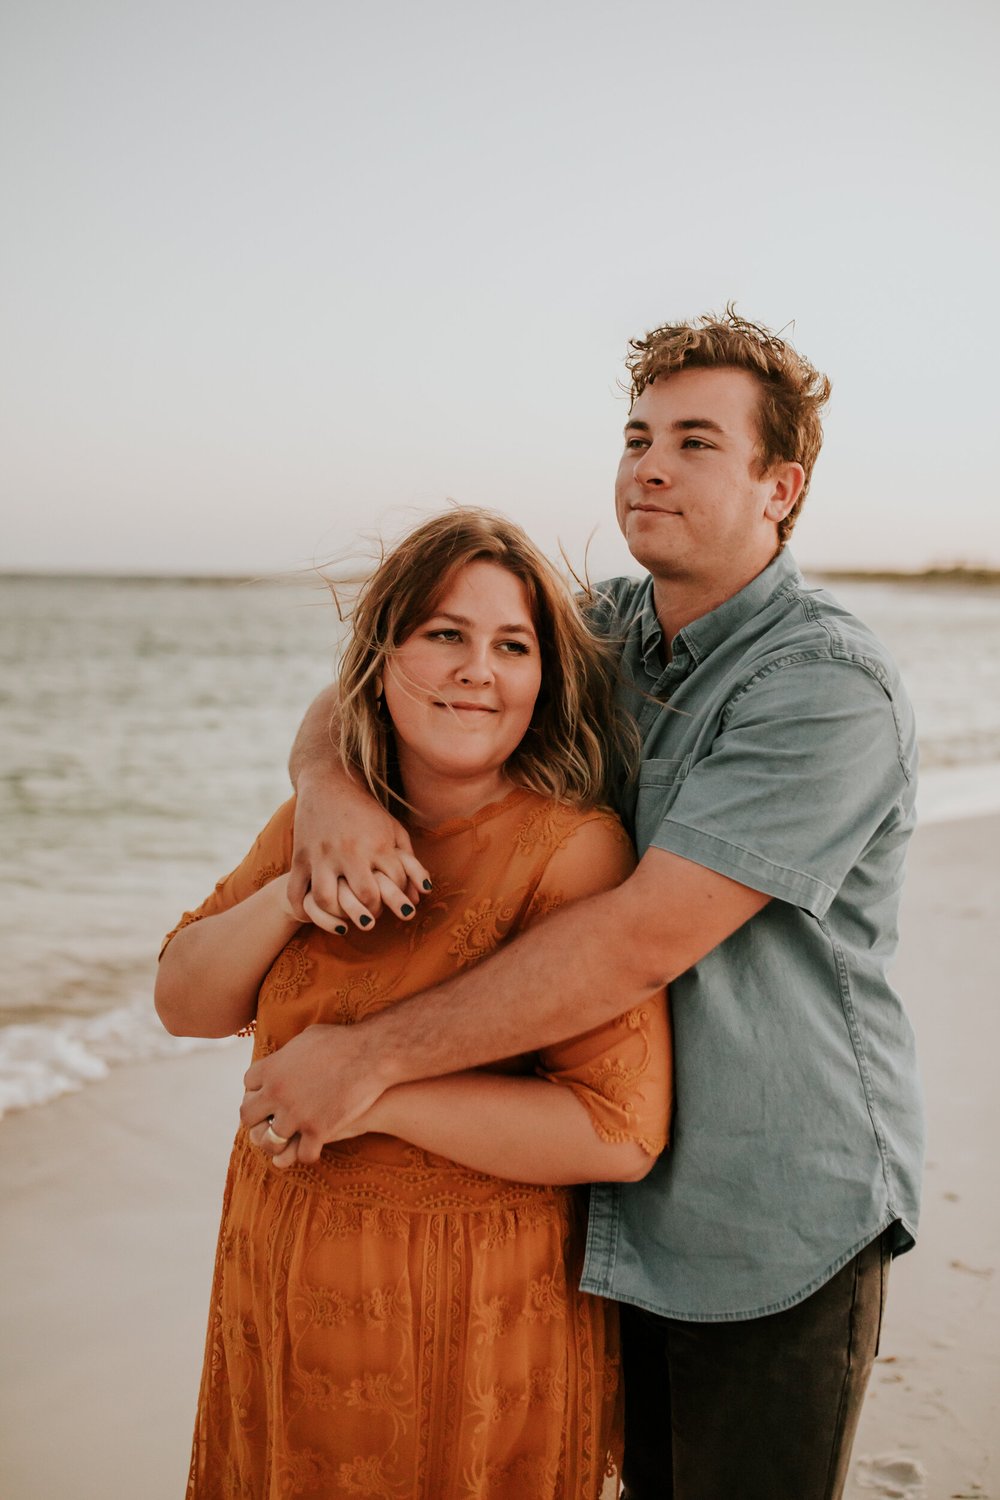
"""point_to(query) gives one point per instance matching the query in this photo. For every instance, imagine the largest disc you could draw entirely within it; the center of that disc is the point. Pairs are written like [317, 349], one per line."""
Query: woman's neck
[438, 799]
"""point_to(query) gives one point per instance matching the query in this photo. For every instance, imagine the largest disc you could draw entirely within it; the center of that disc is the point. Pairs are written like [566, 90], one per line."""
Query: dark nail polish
[365, 921]
[428, 886]
[340, 931]
[406, 911]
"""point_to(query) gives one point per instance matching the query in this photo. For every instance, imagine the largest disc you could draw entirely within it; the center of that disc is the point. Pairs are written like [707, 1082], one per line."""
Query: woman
[402, 1319]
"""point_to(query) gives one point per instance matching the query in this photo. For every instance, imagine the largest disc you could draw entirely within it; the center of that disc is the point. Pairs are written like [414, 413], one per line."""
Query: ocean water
[144, 730]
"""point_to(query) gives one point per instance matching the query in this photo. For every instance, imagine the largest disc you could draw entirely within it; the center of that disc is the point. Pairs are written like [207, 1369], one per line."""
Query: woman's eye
[514, 648]
[443, 635]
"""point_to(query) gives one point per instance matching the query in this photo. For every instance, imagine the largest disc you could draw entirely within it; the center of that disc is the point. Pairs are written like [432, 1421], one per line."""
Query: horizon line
[960, 572]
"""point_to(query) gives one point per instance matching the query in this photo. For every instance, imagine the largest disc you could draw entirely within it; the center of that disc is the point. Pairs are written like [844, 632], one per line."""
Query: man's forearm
[579, 969]
[575, 972]
[316, 746]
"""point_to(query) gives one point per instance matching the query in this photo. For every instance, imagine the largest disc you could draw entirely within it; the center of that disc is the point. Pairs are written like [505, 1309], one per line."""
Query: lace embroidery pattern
[359, 997]
[433, 910]
[613, 1085]
[494, 1401]
[482, 928]
[545, 828]
[289, 973]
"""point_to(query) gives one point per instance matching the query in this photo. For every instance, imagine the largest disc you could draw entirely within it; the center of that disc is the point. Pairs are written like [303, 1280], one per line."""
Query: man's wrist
[380, 1057]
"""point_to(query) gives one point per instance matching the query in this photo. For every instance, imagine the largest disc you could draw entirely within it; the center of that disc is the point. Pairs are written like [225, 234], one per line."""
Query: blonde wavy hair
[576, 745]
[792, 393]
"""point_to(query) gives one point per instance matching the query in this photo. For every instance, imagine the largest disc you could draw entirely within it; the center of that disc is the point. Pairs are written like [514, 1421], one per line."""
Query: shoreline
[44, 1060]
[112, 1198]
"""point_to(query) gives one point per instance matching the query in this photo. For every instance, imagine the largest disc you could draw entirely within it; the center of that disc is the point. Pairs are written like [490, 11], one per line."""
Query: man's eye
[692, 442]
[634, 443]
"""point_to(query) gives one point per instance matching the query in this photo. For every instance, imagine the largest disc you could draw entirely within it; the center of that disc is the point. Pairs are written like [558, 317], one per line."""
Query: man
[773, 805]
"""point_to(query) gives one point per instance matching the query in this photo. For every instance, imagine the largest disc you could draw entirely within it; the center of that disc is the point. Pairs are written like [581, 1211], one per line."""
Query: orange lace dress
[387, 1323]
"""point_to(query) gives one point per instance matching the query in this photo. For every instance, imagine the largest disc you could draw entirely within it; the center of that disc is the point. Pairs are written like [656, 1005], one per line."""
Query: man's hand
[352, 858]
[313, 1090]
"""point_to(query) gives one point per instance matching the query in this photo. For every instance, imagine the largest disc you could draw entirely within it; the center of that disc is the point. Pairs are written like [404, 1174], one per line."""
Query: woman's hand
[352, 858]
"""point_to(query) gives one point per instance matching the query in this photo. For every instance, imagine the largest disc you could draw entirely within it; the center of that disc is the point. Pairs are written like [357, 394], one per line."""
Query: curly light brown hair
[575, 745]
[792, 393]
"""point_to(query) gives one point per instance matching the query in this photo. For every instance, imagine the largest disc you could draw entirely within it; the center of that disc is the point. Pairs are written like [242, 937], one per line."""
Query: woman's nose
[476, 666]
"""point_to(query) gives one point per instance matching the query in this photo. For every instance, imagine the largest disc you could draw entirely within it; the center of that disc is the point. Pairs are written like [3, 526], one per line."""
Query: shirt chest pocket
[659, 783]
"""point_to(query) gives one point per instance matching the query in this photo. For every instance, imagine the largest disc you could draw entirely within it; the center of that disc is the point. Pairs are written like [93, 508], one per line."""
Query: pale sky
[274, 272]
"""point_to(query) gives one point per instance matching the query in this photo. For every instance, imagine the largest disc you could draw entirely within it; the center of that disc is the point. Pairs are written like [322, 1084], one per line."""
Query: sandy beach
[111, 1199]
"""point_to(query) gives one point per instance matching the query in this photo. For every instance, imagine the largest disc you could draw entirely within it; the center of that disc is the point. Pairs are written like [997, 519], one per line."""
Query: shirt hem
[601, 1286]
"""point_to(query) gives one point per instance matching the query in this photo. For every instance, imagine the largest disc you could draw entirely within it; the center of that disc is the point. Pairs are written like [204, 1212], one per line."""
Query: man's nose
[651, 467]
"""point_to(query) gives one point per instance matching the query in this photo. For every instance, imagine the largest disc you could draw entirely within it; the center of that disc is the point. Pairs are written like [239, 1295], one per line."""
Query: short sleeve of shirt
[806, 767]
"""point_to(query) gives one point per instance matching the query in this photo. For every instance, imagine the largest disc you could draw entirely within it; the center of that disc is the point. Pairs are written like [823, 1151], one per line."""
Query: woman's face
[461, 689]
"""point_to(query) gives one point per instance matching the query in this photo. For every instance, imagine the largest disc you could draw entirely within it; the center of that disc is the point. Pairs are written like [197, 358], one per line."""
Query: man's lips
[654, 510]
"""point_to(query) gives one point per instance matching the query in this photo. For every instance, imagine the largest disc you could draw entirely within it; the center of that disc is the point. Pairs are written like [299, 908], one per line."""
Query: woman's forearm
[527, 1129]
[211, 970]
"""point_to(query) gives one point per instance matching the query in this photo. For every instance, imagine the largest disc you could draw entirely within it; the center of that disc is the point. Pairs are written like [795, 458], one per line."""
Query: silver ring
[272, 1137]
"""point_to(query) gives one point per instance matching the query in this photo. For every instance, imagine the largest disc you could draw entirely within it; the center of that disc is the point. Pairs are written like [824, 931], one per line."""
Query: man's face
[688, 496]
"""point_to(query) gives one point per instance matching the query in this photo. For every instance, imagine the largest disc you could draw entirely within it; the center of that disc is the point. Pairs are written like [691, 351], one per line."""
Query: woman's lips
[467, 708]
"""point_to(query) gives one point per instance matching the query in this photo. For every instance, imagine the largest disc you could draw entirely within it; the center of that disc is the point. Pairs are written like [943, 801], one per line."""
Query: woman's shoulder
[549, 821]
[574, 851]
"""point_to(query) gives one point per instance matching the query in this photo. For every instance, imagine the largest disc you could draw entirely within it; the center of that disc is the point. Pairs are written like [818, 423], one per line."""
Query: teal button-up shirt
[778, 749]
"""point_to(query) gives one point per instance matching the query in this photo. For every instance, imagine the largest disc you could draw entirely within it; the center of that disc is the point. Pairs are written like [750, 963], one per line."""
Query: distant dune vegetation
[956, 573]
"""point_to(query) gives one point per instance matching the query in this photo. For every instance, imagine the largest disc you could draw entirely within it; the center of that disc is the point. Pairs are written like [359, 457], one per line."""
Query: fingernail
[340, 931]
[365, 921]
[406, 910]
[428, 886]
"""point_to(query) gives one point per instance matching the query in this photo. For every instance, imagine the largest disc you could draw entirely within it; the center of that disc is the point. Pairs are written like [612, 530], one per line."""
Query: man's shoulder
[805, 623]
[612, 605]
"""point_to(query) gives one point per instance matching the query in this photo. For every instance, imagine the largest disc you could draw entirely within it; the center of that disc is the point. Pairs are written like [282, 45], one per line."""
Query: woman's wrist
[277, 890]
[380, 1117]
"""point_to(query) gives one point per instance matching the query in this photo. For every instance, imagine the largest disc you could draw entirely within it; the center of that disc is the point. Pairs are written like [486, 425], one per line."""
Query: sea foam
[39, 1061]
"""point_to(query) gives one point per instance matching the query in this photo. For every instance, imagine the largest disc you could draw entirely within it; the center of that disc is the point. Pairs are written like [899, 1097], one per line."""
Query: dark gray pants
[764, 1409]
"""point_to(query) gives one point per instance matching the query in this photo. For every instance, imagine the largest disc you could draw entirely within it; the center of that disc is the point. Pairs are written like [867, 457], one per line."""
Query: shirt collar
[703, 635]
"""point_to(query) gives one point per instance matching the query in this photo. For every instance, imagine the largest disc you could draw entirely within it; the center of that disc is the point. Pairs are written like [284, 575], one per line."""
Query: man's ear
[787, 482]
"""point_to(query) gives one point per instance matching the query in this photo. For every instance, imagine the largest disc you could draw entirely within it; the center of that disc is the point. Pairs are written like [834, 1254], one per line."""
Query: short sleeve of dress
[269, 856]
[621, 1072]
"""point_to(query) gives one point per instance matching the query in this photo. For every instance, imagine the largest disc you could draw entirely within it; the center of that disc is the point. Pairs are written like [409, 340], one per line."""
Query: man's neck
[680, 601]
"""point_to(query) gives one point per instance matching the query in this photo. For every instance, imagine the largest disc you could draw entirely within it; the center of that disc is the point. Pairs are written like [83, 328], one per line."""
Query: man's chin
[656, 560]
